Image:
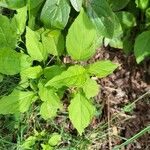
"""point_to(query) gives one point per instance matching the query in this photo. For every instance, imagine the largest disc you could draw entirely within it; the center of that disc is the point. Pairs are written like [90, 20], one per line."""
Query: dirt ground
[129, 84]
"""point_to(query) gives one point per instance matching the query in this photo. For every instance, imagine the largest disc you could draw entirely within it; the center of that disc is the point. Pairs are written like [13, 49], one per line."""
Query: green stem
[132, 138]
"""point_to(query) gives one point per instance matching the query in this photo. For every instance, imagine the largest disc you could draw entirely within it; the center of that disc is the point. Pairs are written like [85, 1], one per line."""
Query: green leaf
[77, 4]
[52, 71]
[20, 19]
[47, 147]
[81, 43]
[129, 107]
[34, 46]
[32, 72]
[34, 9]
[147, 14]
[118, 4]
[33, 5]
[81, 112]
[55, 14]
[142, 4]
[126, 19]
[1, 78]
[16, 3]
[24, 82]
[102, 17]
[48, 110]
[116, 41]
[54, 139]
[102, 68]
[3, 4]
[74, 76]
[17, 101]
[12, 62]
[30, 141]
[51, 102]
[53, 42]
[142, 46]
[131, 7]
[128, 42]
[8, 33]
[91, 88]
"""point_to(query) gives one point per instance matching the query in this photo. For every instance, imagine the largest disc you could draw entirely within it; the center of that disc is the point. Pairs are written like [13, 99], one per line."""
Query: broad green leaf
[20, 19]
[48, 110]
[81, 112]
[77, 4]
[26, 99]
[142, 46]
[116, 40]
[91, 88]
[32, 72]
[126, 19]
[102, 17]
[51, 102]
[55, 13]
[32, 22]
[12, 62]
[3, 4]
[118, 4]
[33, 84]
[45, 93]
[131, 7]
[102, 68]
[128, 42]
[34, 9]
[53, 42]
[46, 147]
[34, 46]
[24, 83]
[74, 76]
[17, 101]
[29, 142]
[122, 40]
[32, 4]
[52, 71]
[54, 139]
[142, 4]
[1, 78]
[81, 38]
[16, 3]
[8, 33]
[39, 134]
[147, 14]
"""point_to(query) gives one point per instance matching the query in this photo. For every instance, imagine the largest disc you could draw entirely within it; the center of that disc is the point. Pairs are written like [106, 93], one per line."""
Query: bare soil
[130, 83]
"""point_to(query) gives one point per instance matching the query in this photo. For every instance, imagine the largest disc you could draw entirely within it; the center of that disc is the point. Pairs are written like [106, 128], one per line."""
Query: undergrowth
[46, 103]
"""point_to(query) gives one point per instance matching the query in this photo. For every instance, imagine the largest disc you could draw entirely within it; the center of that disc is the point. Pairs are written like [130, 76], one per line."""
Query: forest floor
[124, 100]
[125, 96]
[123, 106]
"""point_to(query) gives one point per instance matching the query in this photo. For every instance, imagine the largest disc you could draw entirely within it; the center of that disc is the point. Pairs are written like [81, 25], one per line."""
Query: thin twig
[109, 123]
[50, 60]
